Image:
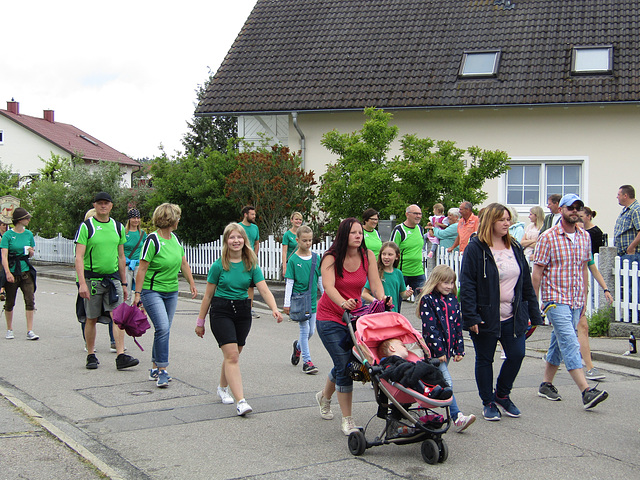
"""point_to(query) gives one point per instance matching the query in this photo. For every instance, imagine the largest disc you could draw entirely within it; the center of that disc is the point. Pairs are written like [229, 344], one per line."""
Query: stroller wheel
[430, 451]
[444, 450]
[357, 443]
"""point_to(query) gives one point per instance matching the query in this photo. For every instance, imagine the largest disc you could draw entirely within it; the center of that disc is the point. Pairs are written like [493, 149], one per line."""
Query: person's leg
[331, 334]
[90, 334]
[453, 408]
[157, 305]
[565, 321]
[583, 339]
[118, 333]
[303, 341]
[514, 348]
[230, 373]
[485, 346]
[111, 338]
[28, 292]
[11, 290]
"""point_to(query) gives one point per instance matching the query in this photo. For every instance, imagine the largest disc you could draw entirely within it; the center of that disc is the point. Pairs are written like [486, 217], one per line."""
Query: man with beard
[253, 233]
[560, 269]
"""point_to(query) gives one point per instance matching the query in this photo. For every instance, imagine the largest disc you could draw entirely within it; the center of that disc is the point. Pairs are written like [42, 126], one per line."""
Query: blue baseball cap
[570, 199]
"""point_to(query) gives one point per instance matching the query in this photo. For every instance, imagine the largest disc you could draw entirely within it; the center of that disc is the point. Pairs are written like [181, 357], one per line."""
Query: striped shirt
[563, 259]
[627, 227]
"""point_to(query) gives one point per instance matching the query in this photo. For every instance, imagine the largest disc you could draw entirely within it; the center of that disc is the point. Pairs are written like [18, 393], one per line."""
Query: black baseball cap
[102, 196]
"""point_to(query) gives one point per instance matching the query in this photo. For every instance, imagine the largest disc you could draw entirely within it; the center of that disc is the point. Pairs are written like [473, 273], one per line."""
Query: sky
[125, 72]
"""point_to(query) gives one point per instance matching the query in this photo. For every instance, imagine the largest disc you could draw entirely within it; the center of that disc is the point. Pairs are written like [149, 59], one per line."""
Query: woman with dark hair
[497, 300]
[135, 240]
[372, 240]
[345, 269]
[597, 240]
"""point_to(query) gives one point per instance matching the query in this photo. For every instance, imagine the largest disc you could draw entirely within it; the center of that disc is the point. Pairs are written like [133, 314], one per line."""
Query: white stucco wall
[604, 139]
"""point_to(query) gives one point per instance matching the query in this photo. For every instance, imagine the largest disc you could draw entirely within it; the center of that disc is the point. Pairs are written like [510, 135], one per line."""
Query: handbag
[300, 310]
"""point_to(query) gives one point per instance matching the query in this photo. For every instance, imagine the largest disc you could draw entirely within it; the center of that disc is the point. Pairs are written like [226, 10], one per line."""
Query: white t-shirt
[509, 272]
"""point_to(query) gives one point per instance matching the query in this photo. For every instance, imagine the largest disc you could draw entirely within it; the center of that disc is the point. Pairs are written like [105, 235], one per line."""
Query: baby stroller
[405, 422]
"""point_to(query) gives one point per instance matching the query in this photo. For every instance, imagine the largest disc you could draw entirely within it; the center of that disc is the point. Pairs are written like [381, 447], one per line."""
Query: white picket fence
[200, 257]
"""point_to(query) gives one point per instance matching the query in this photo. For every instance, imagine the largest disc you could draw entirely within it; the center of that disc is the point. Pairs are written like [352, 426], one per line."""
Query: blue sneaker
[491, 413]
[163, 379]
[508, 406]
[153, 374]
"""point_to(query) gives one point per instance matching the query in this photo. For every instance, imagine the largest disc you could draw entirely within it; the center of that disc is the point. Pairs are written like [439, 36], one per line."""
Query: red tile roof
[348, 54]
[70, 139]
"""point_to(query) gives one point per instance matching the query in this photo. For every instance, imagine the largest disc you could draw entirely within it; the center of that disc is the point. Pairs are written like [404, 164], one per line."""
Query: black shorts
[230, 320]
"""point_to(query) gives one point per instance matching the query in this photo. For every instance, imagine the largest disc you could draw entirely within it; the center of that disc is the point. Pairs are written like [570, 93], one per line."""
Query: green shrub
[599, 322]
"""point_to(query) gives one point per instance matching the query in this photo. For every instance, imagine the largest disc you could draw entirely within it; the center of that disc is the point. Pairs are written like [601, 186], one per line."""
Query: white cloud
[125, 72]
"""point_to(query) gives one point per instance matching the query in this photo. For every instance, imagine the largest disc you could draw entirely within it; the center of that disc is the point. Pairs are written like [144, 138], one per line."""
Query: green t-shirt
[289, 239]
[102, 241]
[132, 240]
[15, 243]
[252, 232]
[165, 258]
[394, 285]
[233, 283]
[299, 270]
[372, 241]
[410, 249]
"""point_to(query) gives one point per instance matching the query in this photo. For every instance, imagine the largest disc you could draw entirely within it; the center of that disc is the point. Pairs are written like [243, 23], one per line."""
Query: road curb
[61, 436]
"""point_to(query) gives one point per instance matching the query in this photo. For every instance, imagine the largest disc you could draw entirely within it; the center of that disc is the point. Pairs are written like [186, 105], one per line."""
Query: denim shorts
[332, 335]
[564, 339]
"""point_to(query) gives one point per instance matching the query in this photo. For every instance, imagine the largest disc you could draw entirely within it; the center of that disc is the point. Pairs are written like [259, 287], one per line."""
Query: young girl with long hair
[227, 301]
[439, 312]
[391, 277]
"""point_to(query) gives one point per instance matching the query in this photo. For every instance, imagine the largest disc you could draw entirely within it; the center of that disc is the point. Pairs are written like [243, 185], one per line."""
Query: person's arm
[631, 249]
[122, 271]
[455, 244]
[267, 296]
[83, 290]
[256, 246]
[536, 278]
[285, 247]
[469, 288]
[527, 242]
[186, 273]
[143, 266]
[5, 265]
[598, 278]
[204, 307]
[528, 293]
[366, 294]
[288, 290]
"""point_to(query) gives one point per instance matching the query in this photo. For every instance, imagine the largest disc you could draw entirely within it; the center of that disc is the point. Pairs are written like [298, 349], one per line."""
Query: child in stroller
[404, 422]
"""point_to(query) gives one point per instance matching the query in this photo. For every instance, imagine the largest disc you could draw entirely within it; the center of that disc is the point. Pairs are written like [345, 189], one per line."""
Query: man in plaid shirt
[626, 233]
[560, 268]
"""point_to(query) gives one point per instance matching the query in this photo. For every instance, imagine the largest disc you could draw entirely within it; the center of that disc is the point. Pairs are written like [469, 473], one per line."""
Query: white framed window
[589, 60]
[480, 63]
[530, 181]
[1, 137]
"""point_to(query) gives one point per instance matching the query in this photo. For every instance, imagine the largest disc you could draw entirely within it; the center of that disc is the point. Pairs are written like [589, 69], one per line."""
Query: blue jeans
[307, 329]
[514, 349]
[564, 339]
[160, 306]
[453, 408]
[332, 335]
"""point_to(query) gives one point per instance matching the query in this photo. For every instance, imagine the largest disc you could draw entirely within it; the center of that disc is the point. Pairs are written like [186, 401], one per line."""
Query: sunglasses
[571, 208]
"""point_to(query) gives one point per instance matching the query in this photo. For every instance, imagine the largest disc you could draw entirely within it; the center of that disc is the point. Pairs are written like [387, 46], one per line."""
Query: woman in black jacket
[497, 300]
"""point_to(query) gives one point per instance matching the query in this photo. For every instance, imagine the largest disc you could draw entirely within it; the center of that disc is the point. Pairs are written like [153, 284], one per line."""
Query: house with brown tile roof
[554, 83]
[25, 139]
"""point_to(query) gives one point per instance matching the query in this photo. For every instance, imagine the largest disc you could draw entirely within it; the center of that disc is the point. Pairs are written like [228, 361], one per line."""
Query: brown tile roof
[348, 54]
[70, 139]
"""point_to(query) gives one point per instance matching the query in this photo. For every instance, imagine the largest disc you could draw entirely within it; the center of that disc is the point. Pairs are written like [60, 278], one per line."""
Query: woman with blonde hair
[229, 307]
[497, 299]
[290, 240]
[532, 231]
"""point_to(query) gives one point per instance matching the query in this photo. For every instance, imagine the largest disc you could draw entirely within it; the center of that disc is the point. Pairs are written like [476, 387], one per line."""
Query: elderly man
[467, 226]
[626, 233]
[410, 239]
[560, 274]
[552, 218]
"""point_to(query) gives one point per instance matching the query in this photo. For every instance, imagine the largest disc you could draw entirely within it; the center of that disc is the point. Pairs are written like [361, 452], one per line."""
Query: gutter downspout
[294, 115]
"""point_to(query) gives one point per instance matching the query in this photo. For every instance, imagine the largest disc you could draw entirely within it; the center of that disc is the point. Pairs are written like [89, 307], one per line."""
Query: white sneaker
[348, 426]
[32, 336]
[243, 407]
[9, 335]
[325, 406]
[224, 395]
[463, 421]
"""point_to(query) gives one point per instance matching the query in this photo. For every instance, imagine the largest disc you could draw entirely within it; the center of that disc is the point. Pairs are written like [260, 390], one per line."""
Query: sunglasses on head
[571, 208]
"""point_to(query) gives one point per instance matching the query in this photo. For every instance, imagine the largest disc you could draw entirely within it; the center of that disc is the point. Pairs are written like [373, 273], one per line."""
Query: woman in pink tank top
[345, 268]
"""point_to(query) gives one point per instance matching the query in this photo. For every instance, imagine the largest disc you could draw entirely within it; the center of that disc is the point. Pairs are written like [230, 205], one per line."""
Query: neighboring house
[555, 84]
[24, 140]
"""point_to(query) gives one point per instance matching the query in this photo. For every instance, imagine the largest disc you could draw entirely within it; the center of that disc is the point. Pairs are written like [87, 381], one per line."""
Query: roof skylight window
[592, 60]
[480, 63]
[84, 137]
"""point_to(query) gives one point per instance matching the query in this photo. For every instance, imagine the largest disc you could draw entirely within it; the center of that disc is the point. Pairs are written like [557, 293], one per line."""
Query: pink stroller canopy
[373, 329]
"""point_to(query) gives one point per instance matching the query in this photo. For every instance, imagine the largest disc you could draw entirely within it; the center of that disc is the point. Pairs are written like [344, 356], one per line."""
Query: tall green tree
[211, 132]
[272, 181]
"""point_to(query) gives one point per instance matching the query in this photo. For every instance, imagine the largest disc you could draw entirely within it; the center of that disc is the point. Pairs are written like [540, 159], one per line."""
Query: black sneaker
[548, 391]
[92, 361]
[295, 357]
[592, 397]
[309, 368]
[125, 361]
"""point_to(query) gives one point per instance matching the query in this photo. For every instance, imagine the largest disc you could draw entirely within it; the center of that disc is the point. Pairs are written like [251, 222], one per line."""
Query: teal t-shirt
[410, 249]
[289, 239]
[165, 258]
[101, 254]
[15, 243]
[299, 270]
[372, 241]
[233, 283]
[132, 240]
[394, 285]
[252, 232]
